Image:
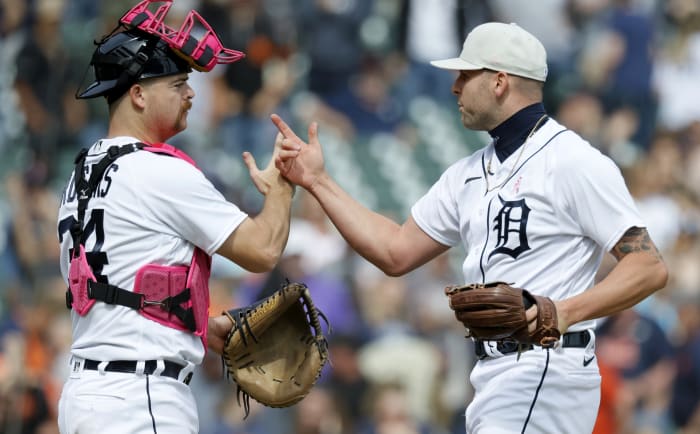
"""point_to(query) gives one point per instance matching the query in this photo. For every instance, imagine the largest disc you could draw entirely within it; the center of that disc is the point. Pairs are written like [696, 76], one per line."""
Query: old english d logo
[510, 225]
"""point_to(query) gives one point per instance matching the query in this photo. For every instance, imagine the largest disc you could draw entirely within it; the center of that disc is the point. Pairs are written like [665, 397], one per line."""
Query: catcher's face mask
[202, 53]
[147, 48]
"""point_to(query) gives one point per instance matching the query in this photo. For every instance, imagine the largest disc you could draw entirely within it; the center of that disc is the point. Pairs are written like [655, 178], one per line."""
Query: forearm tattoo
[633, 241]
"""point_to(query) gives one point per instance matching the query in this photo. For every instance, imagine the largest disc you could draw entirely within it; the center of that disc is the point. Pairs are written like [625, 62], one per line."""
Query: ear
[501, 83]
[136, 94]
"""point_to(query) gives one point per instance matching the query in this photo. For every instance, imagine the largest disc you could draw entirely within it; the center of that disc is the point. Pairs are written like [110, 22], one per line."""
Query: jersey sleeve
[188, 205]
[436, 213]
[594, 192]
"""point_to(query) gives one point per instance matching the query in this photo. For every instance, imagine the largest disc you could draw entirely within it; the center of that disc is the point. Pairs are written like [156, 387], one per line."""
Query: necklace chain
[522, 150]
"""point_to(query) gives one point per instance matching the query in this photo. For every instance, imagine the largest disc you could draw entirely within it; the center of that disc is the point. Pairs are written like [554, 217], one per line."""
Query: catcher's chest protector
[162, 285]
[174, 296]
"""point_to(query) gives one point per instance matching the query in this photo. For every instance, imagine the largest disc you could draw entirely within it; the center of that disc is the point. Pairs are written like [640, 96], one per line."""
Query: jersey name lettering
[101, 190]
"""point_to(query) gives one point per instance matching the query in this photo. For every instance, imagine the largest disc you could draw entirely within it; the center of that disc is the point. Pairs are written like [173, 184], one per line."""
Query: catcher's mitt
[496, 312]
[276, 349]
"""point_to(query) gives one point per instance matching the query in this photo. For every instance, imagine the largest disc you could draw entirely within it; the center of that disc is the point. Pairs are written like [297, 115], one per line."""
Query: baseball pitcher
[535, 211]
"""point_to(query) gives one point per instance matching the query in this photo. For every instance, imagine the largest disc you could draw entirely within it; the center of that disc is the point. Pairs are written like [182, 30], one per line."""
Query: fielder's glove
[276, 349]
[496, 312]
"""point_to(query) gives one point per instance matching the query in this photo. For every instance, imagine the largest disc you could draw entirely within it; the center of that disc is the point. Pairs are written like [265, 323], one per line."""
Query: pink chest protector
[162, 285]
[174, 296]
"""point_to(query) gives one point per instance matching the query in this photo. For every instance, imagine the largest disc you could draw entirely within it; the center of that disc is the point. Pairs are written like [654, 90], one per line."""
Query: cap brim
[456, 64]
[97, 89]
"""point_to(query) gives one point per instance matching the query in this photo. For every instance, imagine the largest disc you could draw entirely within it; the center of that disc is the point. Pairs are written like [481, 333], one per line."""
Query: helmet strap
[132, 71]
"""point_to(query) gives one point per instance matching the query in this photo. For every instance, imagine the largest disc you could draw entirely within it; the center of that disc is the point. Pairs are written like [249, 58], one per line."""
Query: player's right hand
[218, 328]
[298, 161]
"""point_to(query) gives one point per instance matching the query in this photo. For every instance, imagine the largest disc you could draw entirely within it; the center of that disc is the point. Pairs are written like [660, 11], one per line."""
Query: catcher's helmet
[125, 58]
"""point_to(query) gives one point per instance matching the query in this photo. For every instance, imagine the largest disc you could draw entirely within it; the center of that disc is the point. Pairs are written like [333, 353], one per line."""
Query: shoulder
[571, 152]
[160, 160]
[165, 172]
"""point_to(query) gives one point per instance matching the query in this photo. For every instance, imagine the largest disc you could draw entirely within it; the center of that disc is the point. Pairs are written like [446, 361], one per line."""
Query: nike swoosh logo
[473, 178]
[587, 362]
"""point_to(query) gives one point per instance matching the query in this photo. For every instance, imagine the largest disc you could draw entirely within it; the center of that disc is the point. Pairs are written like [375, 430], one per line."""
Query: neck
[133, 127]
[514, 131]
[142, 136]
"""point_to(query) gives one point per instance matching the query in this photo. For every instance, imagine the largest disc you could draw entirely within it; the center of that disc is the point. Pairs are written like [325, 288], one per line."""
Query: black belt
[570, 340]
[171, 370]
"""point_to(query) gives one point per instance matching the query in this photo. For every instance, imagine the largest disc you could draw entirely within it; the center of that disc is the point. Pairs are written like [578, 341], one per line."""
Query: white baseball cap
[500, 47]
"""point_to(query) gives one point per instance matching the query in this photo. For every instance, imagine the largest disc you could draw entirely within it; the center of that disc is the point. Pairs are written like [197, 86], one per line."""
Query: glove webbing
[240, 318]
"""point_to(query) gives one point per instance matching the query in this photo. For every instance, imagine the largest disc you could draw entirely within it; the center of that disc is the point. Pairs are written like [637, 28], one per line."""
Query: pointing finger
[284, 128]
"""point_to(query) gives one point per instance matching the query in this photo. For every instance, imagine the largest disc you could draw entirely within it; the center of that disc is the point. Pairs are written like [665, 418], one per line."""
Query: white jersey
[149, 209]
[560, 206]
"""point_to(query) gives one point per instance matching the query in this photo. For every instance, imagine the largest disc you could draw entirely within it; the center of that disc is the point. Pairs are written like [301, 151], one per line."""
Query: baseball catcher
[275, 349]
[496, 312]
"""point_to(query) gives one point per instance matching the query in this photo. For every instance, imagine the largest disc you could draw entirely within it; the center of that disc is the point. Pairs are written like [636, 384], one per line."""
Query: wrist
[562, 315]
[288, 188]
[322, 180]
[280, 186]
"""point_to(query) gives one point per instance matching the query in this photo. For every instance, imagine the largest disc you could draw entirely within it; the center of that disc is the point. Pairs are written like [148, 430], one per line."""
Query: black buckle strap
[569, 340]
[172, 305]
[175, 307]
[171, 369]
[111, 294]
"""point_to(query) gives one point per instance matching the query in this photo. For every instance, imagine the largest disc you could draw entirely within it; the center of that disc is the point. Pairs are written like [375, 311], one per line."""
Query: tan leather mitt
[276, 349]
[496, 312]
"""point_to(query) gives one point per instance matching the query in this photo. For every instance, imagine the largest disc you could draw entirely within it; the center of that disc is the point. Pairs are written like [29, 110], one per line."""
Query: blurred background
[623, 74]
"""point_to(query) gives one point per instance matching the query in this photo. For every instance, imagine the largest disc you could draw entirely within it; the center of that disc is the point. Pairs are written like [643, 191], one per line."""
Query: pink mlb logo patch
[516, 186]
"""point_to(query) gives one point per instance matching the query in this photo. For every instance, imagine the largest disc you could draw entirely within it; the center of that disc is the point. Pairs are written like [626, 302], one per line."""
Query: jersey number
[95, 224]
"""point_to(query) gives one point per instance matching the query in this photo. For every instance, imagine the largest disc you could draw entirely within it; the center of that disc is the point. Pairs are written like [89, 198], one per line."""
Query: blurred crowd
[625, 74]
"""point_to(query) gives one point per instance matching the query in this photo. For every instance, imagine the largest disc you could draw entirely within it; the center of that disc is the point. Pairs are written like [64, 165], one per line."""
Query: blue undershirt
[513, 132]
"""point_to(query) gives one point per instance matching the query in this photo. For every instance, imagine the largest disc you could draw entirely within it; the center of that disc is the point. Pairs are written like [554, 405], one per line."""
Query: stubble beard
[471, 121]
[477, 119]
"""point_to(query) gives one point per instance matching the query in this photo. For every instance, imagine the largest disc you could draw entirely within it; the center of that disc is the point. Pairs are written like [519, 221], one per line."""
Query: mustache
[188, 105]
